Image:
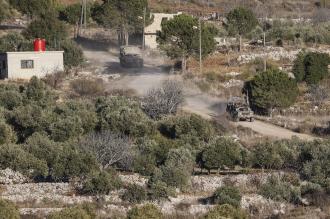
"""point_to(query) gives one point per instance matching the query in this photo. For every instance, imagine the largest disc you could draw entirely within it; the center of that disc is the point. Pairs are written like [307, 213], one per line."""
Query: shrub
[14, 157]
[37, 91]
[7, 134]
[224, 152]
[72, 163]
[54, 80]
[87, 87]
[10, 99]
[108, 148]
[164, 100]
[178, 167]
[298, 68]
[8, 210]
[227, 195]
[124, 116]
[271, 89]
[225, 211]
[14, 42]
[72, 213]
[148, 211]
[314, 162]
[278, 190]
[275, 155]
[101, 183]
[160, 191]
[134, 194]
[187, 126]
[73, 54]
[316, 67]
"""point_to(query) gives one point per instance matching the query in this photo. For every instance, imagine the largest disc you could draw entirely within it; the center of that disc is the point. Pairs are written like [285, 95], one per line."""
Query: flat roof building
[24, 65]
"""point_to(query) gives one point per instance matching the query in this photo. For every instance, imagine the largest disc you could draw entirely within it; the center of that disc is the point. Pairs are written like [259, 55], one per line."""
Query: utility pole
[83, 15]
[200, 46]
[144, 27]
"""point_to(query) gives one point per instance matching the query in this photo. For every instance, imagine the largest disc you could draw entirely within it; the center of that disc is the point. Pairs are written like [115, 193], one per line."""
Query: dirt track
[152, 76]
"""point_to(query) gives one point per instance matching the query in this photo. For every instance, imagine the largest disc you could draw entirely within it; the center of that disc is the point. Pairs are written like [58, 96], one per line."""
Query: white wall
[44, 63]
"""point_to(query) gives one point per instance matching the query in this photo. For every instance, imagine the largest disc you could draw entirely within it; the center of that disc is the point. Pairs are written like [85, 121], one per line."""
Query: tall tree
[179, 38]
[126, 16]
[72, 15]
[240, 21]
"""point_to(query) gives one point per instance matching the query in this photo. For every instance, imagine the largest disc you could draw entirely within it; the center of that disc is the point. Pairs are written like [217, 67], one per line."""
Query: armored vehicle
[131, 57]
[238, 109]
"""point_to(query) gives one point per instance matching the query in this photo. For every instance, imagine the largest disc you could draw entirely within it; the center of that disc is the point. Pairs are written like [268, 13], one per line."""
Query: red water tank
[39, 45]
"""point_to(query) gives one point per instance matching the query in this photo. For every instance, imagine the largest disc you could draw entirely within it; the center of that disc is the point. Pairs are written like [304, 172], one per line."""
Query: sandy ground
[141, 80]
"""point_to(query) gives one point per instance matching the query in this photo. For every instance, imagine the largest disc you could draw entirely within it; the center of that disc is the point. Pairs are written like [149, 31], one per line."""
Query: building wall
[151, 30]
[44, 63]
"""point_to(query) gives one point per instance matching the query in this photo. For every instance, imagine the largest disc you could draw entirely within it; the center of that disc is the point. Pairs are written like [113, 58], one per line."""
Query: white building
[151, 30]
[24, 65]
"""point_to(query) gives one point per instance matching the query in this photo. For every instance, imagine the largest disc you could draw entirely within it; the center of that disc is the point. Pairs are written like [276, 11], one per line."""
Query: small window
[27, 64]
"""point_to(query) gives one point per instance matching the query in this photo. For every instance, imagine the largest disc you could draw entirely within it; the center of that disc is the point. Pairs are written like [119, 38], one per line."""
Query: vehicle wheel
[251, 119]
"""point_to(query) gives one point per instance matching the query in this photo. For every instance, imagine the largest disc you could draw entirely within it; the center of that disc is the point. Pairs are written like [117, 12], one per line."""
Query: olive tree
[163, 100]
[108, 148]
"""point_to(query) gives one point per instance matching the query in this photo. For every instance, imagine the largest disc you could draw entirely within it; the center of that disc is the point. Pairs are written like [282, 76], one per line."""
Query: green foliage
[101, 183]
[298, 68]
[227, 195]
[134, 194]
[315, 162]
[49, 28]
[72, 163]
[316, 67]
[72, 13]
[14, 157]
[180, 37]
[148, 211]
[37, 91]
[187, 126]
[10, 99]
[241, 21]
[275, 155]
[43, 148]
[122, 14]
[14, 42]
[178, 167]
[225, 211]
[278, 190]
[160, 191]
[34, 8]
[224, 152]
[271, 89]
[73, 54]
[7, 134]
[79, 212]
[122, 115]
[8, 210]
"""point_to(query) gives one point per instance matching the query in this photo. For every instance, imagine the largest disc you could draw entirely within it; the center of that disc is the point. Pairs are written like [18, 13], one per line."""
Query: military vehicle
[238, 109]
[131, 57]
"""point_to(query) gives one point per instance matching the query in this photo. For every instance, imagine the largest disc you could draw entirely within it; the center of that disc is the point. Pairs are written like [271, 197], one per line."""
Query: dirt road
[106, 62]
